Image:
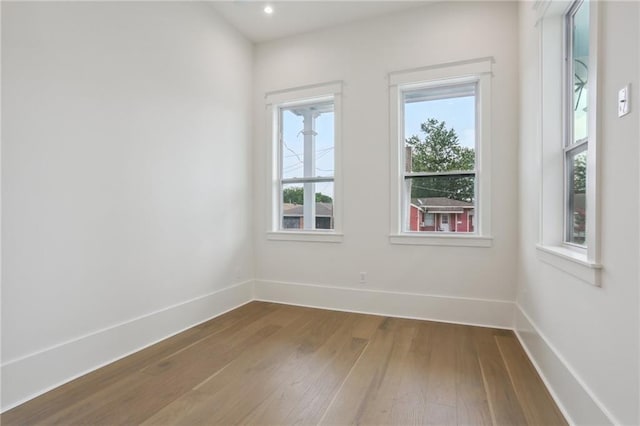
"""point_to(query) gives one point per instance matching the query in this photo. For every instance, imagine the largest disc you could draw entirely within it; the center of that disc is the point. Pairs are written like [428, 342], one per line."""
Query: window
[569, 233]
[440, 137]
[429, 219]
[576, 144]
[305, 141]
[440, 153]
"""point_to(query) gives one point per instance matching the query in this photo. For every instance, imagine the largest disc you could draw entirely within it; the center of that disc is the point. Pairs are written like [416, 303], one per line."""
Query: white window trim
[273, 100]
[580, 262]
[479, 70]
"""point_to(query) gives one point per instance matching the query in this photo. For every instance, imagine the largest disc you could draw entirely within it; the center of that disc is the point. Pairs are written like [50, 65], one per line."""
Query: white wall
[585, 338]
[362, 55]
[127, 192]
[126, 180]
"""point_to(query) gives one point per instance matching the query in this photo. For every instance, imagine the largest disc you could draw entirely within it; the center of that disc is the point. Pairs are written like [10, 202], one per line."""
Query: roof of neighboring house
[441, 205]
[322, 209]
[440, 202]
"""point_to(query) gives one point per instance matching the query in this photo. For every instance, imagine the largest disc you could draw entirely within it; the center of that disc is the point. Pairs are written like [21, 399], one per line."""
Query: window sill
[309, 236]
[442, 240]
[571, 262]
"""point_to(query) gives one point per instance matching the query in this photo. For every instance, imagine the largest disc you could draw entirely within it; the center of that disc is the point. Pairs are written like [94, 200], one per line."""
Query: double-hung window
[569, 222]
[305, 141]
[439, 157]
[440, 154]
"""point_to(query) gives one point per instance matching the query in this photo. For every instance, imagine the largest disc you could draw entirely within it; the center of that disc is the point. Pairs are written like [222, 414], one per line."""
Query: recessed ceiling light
[268, 10]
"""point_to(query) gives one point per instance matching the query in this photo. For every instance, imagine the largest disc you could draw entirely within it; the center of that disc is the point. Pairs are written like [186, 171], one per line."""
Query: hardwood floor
[266, 363]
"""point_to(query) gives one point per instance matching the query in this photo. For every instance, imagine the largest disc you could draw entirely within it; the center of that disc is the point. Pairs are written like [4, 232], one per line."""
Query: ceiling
[296, 17]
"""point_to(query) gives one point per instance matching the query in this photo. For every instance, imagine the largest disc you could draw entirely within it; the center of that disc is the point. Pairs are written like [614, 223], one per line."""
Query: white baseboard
[574, 398]
[29, 376]
[34, 374]
[486, 313]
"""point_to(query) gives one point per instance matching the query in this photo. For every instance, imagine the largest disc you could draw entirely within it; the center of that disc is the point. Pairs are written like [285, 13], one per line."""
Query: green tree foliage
[439, 150]
[580, 173]
[296, 196]
[579, 183]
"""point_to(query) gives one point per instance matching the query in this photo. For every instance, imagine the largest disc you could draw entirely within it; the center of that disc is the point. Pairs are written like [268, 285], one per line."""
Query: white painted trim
[456, 310]
[442, 71]
[550, 8]
[551, 137]
[37, 373]
[476, 70]
[29, 376]
[432, 239]
[309, 236]
[575, 399]
[298, 94]
[571, 262]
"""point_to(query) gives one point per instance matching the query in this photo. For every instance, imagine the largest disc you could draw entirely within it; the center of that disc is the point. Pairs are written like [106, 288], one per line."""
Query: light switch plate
[623, 101]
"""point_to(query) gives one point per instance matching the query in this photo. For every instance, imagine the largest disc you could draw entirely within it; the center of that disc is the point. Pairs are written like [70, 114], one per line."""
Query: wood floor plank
[427, 394]
[364, 396]
[440, 372]
[238, 334]
[302, 356]
[171, 378]
[503, 403]
[248, 380]
[138, 396]
[410, 404]
[535, 400]
[131, 386]
[306, 391]
[367, 326]
[61, 398]
[389, 386]
[266, 363]
[472, 407]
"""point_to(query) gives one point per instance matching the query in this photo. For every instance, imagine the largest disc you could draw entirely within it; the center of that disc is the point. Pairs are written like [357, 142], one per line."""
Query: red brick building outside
[440, 214]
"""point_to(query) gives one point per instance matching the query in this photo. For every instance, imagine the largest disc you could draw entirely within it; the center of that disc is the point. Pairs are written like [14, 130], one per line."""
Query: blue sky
[457, 113]
[293, 150]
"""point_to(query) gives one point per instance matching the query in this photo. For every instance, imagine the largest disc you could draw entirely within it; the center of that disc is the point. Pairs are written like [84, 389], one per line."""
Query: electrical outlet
[363, 277]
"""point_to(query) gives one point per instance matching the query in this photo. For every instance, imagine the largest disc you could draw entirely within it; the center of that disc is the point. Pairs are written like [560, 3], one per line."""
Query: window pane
[439, 128]
[292, 144]
[579, 66]
[298, 214]
[293, 206]
[307, 140]
[429, 219]
[324, 205]
[577, 211]
[440, 204]
[324, 144]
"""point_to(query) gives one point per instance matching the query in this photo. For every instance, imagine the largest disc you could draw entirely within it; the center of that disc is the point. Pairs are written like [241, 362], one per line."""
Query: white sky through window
[293, 148]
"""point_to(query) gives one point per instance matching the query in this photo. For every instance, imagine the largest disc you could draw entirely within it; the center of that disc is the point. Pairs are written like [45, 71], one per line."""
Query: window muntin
[306, 133]
[439, 140]
[576, 142]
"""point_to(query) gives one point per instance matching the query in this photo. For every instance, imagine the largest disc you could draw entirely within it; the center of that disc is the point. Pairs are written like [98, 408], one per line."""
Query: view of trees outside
[440, 158]
[438, 149]
[295, 195]
[577, 199]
